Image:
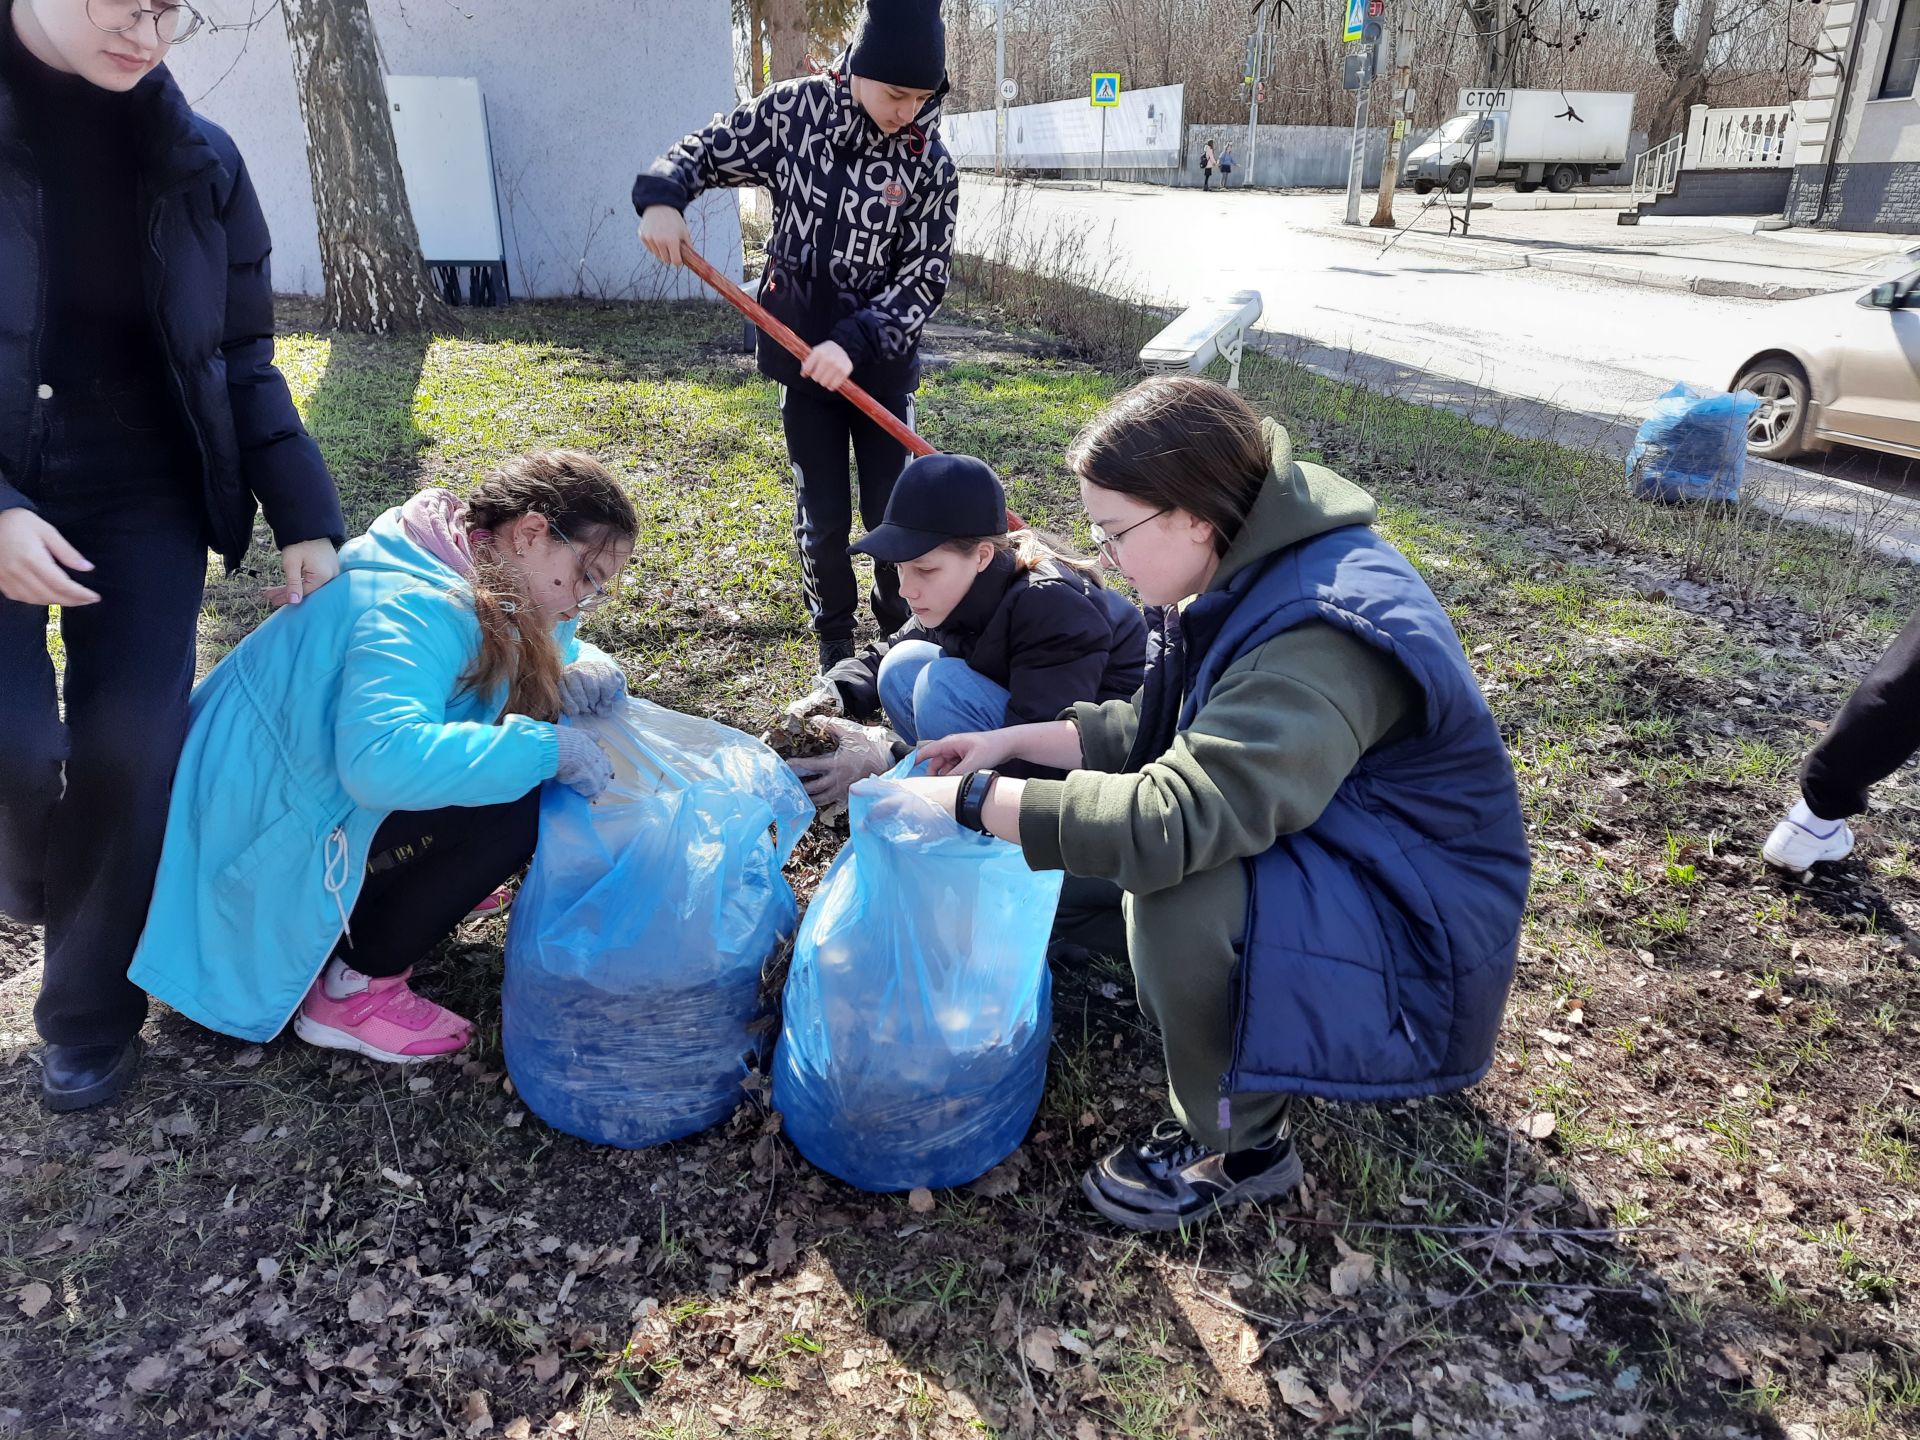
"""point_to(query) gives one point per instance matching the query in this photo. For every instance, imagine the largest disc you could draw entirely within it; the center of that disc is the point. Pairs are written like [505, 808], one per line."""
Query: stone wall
[1883, 197]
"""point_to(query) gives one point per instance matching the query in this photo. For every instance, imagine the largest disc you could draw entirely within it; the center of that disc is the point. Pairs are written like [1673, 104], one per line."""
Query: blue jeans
[929, 696]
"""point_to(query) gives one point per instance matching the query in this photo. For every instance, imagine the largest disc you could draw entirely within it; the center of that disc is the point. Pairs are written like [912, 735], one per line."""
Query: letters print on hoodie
[863, 223]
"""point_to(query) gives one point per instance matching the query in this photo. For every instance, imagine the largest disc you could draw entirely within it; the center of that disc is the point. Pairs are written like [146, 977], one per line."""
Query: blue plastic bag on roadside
[919, 1008]
[1693, 446]
[632, 1005]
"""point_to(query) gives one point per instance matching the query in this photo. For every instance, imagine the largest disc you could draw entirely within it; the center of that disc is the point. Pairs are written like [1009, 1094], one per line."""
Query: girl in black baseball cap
[1005, 628]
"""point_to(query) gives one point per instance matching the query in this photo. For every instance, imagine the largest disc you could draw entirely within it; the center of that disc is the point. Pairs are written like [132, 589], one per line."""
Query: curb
[1602, 270]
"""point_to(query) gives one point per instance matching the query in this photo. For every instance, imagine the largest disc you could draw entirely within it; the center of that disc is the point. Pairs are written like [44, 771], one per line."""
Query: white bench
[1208, 330]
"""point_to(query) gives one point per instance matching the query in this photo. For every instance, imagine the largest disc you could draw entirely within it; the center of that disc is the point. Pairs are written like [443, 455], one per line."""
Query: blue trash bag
[919, 1009]
[632, 1006]
[1693, 446]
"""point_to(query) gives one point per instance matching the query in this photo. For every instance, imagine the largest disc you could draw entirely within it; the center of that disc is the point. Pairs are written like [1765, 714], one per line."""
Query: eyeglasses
[1109, 544]
[172, 24]
[597, 594]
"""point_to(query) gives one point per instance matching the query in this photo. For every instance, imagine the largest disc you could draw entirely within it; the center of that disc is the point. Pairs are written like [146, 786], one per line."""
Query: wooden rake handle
[800, 350]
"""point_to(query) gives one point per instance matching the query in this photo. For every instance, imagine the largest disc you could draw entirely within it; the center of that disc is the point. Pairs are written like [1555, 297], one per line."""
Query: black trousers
[1875, 733]
[83, 800]
[820, 427]
[426, 872]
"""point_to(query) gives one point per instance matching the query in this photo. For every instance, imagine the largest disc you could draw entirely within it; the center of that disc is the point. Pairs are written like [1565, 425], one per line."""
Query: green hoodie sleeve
[1279, 733]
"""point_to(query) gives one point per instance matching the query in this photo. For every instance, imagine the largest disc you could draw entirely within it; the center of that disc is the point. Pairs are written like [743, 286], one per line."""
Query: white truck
[1556, 138]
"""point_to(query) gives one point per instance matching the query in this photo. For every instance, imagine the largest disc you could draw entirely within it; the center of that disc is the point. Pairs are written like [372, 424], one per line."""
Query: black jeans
[83, 804]
[426, 871]
[1875, 733]
[819, 428]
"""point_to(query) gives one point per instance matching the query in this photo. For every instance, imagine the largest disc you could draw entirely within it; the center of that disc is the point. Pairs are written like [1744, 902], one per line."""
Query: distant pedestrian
[1875, 733]
[1226, 166]
[1207, 161]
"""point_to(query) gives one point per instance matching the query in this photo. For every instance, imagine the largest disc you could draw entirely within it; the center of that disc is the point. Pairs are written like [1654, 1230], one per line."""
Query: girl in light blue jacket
[364, 769]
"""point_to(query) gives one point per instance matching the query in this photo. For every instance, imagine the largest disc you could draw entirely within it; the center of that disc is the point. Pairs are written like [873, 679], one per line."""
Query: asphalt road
[1472, 333]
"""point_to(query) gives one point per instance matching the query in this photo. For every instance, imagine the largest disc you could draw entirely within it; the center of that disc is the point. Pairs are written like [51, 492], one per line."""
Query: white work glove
[822, 699]
[583, 764]
[591, 687]
[858, 751]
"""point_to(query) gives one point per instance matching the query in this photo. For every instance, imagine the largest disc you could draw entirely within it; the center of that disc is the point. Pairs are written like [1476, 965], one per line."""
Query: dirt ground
[1683, 1203]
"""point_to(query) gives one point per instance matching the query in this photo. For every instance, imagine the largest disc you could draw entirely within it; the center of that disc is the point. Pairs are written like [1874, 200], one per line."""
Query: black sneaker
[79, 1077]
[1169, 1179]
[832, 652]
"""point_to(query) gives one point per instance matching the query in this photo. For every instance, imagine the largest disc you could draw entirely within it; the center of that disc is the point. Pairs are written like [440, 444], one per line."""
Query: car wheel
[1562, 178]
[1526, 187]
[1458, 179]
[1423, 187]
[1777, 430]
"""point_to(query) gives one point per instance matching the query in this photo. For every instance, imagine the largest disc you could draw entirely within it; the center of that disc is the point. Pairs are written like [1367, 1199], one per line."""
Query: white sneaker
[1803, 840]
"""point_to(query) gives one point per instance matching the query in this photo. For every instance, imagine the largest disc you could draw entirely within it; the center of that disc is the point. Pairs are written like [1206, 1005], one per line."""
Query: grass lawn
[1684, 1203]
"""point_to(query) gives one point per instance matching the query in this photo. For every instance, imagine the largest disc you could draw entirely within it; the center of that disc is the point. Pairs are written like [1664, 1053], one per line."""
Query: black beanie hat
[901, 42]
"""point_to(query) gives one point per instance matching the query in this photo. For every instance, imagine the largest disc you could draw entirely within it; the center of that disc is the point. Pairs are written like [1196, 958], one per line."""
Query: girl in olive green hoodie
[1185, 487]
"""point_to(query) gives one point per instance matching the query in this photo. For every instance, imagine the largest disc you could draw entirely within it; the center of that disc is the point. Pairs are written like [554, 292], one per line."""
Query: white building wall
[580, 96]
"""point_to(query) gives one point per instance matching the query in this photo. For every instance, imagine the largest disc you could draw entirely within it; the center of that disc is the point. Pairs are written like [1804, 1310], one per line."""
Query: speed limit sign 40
[1008, 89]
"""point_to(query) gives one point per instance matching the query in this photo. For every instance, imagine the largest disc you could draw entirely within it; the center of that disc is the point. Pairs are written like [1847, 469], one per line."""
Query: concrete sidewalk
[1704, 258]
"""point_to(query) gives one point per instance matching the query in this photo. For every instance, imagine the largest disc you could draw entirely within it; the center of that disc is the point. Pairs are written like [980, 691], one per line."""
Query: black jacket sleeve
[279, 460]
[737, 149]
[889, 327]
[1058, 645]
[858, 679]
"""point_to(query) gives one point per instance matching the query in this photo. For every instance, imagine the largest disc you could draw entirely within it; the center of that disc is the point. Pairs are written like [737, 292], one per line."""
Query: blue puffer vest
[1381, 940]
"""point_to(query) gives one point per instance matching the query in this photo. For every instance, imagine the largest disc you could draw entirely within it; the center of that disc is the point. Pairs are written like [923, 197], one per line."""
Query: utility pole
[1000, 87]
[1357, 162]
[1256, 72]
[1400, 115]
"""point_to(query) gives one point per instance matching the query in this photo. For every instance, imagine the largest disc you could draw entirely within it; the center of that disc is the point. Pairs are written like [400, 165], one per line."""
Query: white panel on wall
[440, 129]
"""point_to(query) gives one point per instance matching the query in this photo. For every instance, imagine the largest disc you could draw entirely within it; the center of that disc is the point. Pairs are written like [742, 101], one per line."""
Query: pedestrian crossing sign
[1106, 89]
[1356, 21]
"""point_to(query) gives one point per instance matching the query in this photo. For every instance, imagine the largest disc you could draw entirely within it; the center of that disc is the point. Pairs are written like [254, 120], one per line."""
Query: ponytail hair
[580, 499]
[1030, 549]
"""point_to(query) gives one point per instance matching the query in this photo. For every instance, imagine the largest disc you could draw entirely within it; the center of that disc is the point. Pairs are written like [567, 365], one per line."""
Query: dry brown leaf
[150, 1375]
[1341, 1397]
[1353, 1270]
[1296, 1392]
[1039, 1348]
[545, 1366]
[518, 1428]
[33, 1299]
[477, 1414]
[920, 1201]
[1085, 1429]
[369, 1303]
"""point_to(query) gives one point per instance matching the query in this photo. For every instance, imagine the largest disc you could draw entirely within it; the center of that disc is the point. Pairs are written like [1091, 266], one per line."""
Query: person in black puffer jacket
[1005, 630]
[141, 421]
[865, 199]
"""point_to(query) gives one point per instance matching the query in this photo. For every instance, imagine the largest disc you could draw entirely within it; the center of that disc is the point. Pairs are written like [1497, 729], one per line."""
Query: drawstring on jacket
[340, 860]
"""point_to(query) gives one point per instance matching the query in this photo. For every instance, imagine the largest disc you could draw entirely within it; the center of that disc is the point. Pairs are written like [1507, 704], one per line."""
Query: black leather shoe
[832, 652]
[1169, 1180]
[79, 1077]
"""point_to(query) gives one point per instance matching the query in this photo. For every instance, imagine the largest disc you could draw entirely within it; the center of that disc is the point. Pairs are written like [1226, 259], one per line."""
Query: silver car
[1838, 369]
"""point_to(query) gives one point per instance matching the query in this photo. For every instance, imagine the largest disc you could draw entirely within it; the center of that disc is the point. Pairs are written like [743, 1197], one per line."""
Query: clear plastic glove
[822, 699]
[584, 766]
[591, 687]
[858, 751]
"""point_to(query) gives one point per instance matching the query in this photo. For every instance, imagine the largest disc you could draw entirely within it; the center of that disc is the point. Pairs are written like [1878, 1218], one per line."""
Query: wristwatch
[971, 799]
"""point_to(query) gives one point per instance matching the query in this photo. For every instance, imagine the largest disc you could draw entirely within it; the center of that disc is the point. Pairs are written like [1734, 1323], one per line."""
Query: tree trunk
[369, 250]
[756, 47]
[786, 37]
[1684, 59]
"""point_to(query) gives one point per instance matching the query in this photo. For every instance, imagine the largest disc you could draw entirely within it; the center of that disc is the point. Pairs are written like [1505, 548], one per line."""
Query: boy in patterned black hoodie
[865, 199]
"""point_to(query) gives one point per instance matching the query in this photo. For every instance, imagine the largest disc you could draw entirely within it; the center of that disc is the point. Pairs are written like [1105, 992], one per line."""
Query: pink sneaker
[384, 1021]
[494, 904]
